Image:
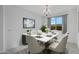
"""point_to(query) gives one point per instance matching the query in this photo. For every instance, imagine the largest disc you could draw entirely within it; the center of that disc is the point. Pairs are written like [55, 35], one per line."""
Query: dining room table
[44, 37]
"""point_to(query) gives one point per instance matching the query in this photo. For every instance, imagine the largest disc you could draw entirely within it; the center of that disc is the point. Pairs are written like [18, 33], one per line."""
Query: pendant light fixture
[46, 11]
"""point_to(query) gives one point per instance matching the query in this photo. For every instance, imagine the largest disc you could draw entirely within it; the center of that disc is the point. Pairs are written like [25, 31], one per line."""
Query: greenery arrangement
[44, 28]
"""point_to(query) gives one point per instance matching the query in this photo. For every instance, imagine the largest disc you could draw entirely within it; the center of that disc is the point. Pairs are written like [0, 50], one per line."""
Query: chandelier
[46, 11]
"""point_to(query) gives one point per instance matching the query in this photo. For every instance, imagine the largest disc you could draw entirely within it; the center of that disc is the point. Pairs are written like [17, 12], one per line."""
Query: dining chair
[34, 46]
[59, 46]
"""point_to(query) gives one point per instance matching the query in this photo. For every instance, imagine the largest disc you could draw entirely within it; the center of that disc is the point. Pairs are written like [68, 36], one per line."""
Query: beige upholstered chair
[59, 46]
[33, 45]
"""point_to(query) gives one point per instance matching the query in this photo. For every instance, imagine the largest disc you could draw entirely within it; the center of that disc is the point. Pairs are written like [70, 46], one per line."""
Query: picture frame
[28, 23]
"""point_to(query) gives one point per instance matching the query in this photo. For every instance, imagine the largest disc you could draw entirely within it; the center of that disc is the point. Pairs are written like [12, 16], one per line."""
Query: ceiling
[38, 9]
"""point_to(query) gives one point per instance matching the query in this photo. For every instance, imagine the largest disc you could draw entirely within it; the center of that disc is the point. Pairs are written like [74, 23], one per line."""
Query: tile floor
[71, 49]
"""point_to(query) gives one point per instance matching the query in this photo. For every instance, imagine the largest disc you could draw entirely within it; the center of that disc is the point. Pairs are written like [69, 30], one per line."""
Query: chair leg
[28, 52]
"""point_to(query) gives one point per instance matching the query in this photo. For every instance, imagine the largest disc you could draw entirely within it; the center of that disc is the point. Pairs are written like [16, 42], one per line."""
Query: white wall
[14, 24]
[71, 23]
[78, 26]
[1, 28]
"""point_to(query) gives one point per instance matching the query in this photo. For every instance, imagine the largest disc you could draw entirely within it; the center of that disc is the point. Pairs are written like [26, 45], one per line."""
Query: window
[56, 23]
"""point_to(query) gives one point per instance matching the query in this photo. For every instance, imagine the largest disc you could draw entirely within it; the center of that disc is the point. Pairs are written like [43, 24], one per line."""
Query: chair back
[33, 45]
[61, 47]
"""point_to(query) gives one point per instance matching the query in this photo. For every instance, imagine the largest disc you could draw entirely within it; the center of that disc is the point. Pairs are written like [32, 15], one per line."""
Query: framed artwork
[28, 23]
